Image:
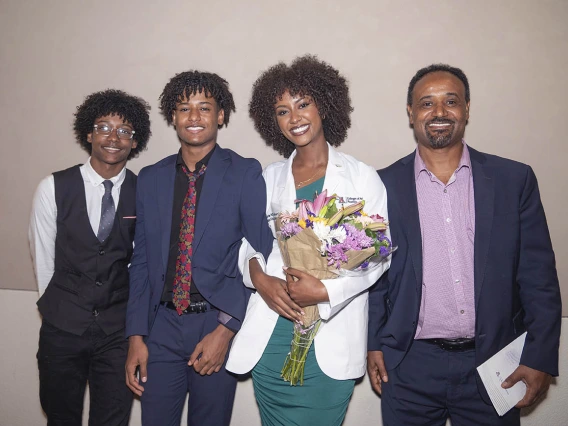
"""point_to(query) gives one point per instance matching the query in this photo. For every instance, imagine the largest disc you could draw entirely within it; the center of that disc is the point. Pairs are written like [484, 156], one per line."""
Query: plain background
[53, 53]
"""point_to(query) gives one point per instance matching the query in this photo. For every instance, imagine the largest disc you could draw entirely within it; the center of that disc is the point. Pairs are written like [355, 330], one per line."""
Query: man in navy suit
[474, 270]
[187, 298]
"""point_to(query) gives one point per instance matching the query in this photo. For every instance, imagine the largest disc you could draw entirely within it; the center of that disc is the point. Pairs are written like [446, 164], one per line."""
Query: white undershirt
[43, 221]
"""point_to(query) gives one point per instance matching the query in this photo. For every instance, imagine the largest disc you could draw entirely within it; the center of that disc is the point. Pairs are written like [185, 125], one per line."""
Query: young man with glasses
[81, 237]
[187, 297]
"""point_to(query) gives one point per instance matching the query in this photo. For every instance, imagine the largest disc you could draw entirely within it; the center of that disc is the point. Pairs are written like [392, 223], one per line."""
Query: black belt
[454, 345]
[193, 308]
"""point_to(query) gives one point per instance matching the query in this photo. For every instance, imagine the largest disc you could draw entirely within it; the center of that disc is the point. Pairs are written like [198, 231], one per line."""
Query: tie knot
[193, 176]
[108, 186]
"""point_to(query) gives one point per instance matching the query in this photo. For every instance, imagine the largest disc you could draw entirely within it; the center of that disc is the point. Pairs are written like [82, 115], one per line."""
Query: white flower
[338, 234]
[327, 235]
[363, 220]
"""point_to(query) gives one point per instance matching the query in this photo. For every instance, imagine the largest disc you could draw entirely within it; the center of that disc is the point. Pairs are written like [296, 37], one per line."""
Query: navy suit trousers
[170, 344]
[432, 384]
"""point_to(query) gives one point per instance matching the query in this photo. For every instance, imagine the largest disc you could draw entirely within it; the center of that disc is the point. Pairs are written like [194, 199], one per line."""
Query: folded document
[496, 369]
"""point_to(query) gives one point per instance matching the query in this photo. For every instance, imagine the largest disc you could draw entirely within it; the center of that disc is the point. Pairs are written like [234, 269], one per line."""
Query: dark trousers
[67, 362]
[170, 344]
[432, 384]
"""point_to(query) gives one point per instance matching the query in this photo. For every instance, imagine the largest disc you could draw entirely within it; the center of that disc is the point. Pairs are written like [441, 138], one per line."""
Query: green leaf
[357, 225]
[331, 209]
[377, 247]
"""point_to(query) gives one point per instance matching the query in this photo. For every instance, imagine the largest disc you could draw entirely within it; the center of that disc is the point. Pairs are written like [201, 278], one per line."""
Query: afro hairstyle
[306, 76]
[131, 109]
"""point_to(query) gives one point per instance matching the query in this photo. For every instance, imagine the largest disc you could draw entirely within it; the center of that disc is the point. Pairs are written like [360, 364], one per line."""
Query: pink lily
[320, 201]
[302, 211]
[315, 207]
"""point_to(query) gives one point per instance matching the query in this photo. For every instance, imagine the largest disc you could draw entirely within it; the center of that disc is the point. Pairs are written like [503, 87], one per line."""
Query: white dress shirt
[43, 221]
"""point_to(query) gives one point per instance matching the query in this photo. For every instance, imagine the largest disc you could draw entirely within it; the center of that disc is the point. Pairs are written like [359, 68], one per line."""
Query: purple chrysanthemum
[290, 229]
[336, 255]
[356, 239]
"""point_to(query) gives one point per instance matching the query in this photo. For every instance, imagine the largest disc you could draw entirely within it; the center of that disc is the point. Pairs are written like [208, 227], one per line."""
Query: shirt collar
[420, 166]
[95, 179]
[203, 162]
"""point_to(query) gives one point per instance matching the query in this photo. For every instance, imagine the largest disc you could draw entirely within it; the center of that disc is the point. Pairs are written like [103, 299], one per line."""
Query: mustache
[440, 121]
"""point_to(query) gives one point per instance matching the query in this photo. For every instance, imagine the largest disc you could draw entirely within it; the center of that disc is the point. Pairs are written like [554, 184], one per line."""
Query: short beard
[438, 141]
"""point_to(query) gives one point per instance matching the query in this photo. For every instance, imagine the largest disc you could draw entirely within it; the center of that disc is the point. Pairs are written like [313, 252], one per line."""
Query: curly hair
[188, 83]
[306, 76]
[436, 68]
[131, 109]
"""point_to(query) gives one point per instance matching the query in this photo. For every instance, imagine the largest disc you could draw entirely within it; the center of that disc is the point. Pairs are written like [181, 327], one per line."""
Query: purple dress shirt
[447, 223]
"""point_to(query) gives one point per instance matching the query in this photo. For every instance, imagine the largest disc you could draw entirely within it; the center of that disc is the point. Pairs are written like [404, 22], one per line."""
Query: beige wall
[19, 401]
[55, 52]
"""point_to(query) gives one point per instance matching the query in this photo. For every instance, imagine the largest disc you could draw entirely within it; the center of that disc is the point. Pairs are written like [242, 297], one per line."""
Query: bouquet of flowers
[326, 241]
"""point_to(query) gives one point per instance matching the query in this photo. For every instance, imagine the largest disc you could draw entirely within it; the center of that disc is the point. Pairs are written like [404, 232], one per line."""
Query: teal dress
[321, 401]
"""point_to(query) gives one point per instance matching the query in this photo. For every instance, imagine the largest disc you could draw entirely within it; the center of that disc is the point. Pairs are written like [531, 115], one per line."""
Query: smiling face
[299, 119]
[439, 112]
[110, 150]
[197, 120]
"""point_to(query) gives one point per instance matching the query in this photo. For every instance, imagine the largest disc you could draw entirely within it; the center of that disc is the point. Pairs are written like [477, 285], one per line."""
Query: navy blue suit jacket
[232, 205]
[515, 279]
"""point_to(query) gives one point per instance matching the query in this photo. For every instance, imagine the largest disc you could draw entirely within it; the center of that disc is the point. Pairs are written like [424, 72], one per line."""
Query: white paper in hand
[496, 369]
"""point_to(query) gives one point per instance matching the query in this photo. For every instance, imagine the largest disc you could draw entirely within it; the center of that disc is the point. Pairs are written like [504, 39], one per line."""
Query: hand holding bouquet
[326, 241]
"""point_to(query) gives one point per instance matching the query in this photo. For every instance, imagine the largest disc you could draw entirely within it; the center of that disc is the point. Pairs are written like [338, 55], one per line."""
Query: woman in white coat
[303, 112]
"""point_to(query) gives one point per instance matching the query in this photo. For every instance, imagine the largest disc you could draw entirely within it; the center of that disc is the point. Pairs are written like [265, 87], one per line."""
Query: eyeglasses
[121, 132]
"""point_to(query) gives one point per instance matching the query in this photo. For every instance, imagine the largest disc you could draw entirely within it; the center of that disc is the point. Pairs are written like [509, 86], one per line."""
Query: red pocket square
[129, 217]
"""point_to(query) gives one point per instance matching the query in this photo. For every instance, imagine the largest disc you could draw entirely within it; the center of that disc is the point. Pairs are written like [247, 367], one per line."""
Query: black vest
[90, 279]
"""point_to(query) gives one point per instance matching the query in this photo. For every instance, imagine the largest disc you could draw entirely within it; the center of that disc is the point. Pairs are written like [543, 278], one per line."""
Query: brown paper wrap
[302, 252]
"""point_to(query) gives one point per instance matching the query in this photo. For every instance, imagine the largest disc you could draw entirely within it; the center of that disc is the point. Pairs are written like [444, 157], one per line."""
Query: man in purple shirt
[474, 270]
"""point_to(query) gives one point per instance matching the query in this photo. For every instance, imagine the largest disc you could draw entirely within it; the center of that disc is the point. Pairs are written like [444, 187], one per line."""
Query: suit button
[95, 313]
[101, 252]
[98, 283]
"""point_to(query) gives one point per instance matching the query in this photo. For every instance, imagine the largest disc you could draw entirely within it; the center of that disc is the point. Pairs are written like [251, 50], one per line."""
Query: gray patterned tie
[107, 212]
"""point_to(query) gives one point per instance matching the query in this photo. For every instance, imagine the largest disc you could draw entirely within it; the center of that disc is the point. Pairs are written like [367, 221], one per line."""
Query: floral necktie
[182, 279]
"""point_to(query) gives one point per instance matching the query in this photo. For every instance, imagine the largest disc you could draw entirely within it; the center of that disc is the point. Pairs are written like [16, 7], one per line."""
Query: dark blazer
[515, 279]
[232, 205]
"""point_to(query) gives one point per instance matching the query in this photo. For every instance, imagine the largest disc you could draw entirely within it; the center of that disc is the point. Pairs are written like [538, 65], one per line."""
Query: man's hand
[274, 293]
[377, 370]
[305, 289]
[537, 384]
[209, 354]
[137, 357]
